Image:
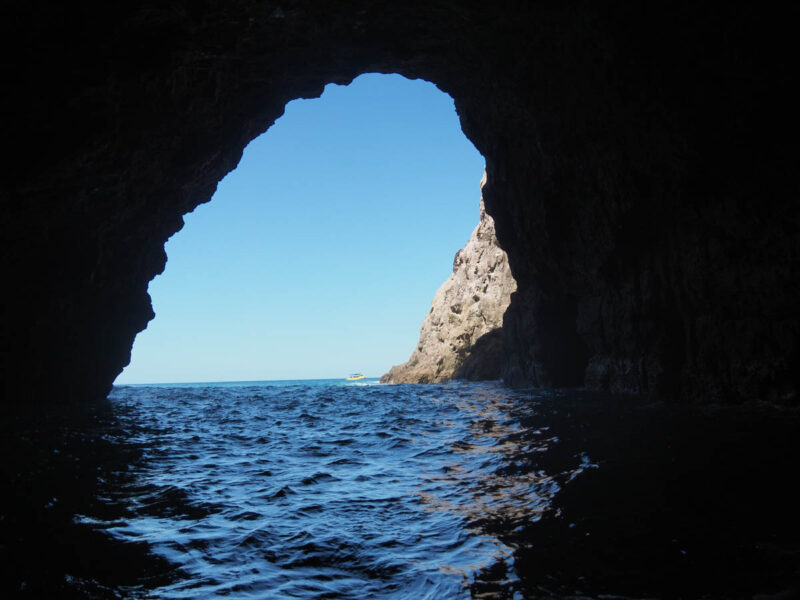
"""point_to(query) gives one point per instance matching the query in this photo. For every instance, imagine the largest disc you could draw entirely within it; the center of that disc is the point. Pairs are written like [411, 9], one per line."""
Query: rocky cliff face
[460, 337]
[641, 161]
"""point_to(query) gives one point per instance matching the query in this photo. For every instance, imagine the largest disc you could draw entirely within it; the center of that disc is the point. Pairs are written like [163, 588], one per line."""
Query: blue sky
[320, 253]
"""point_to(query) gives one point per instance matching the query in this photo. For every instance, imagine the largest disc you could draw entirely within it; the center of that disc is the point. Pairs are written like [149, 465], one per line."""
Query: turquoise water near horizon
[257, 382]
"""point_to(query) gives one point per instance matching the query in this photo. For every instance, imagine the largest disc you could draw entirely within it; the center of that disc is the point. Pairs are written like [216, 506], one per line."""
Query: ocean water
[327, 489]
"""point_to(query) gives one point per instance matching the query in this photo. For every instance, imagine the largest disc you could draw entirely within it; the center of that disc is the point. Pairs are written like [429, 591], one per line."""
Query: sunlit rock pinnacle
[460, 337]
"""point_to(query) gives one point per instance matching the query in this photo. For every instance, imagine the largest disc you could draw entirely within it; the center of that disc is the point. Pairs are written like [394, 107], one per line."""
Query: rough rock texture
[641, 160]
[467, 309]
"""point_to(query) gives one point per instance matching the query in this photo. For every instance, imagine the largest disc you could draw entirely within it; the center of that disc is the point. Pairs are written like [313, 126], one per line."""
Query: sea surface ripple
[326, 490]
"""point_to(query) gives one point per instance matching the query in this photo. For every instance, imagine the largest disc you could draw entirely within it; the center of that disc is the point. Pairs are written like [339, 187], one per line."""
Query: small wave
[345, 462]
[319, 477]
[281, 493]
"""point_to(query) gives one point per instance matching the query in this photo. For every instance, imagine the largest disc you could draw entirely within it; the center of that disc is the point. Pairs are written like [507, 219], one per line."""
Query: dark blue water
[329, 490]
[332, 490]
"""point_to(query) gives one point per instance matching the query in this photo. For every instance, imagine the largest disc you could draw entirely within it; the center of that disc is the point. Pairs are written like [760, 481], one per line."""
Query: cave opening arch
[168, 114]
[320, 252]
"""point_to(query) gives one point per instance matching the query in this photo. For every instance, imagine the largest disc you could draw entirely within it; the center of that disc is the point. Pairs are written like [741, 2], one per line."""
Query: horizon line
[115, 384]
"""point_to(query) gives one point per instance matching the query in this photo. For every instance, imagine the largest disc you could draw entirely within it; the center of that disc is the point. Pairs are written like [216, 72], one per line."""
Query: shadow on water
[677, 502]
[58, 464]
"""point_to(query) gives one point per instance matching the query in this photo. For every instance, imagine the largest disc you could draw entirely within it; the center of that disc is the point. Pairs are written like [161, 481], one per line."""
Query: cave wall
[640, 164]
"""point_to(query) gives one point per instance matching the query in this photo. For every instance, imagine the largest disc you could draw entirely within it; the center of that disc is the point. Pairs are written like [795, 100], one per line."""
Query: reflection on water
[492, 464]
[323, 490]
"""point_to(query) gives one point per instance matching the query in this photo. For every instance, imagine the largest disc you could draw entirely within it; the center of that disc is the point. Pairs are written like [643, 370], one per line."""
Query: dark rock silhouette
[641, 164]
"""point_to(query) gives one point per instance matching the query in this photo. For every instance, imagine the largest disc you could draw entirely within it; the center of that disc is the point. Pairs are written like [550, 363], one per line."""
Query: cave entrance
[321, 251]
